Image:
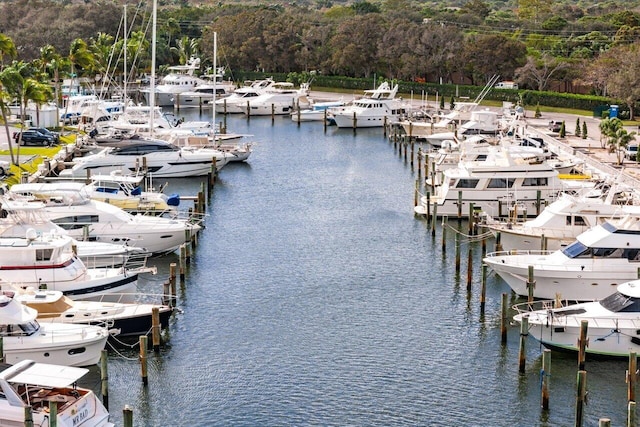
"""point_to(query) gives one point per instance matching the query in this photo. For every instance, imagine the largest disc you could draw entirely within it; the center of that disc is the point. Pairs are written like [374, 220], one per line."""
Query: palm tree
[7, 48]
[52, 63]
[31, 90]
[622, 139]
[608, 128]
[79, 56]
[103, 51]
[185, 48]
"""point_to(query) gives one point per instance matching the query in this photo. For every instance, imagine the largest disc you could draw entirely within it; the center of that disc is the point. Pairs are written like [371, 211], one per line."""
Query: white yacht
[162, 159]
[375, 109]
[590, 268]
[613, 323]
[123, 319]
[480, 122]
[28, 383]
[318, 111]
[563, 220]
[181, 78]
[20, 216]
[83, 218]
[282, 98]
[48, 261]
[202, 96]
[58, 343]
[126, 192]
[494, 183]
[236, 103]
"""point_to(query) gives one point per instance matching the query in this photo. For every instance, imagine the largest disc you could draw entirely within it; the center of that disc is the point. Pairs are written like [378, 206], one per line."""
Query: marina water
[315, 297]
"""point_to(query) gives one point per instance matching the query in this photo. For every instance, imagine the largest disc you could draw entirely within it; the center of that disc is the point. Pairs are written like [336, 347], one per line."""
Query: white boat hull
[577, 279]
[60, 344]
[345, 119]
[610, 337]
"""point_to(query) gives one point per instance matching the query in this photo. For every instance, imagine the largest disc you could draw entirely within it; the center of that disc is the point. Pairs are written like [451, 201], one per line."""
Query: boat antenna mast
[215, 80]
[152, 79]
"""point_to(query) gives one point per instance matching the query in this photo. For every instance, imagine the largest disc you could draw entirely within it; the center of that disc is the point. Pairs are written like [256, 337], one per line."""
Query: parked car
[631, 152]
[33, 137]
[555, 125]
[46, 131]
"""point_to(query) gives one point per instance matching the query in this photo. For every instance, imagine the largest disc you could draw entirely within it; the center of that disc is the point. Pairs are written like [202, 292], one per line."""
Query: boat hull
[608, 336]
[345, 119]
[60, 344]
[584, 279]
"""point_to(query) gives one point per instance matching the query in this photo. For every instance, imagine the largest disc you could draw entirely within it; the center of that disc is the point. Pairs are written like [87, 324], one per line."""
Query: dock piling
[522, 354]
[127, 416]
[155, 328]
[545, 373]
[583, 342]
[143, 359]
[104, 377]
[503, 319]
[581, 397]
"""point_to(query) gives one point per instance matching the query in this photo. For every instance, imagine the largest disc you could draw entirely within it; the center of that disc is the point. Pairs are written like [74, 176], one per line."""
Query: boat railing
[527, 307]
[132, 262]
[519, 252]
[133, 298]
[137, 263]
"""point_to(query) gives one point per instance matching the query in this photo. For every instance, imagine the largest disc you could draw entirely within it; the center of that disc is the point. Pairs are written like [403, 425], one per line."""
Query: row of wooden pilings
[176, 270]
[405, 147]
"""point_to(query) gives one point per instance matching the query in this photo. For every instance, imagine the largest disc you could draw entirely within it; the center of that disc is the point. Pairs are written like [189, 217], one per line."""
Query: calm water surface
[316, 298]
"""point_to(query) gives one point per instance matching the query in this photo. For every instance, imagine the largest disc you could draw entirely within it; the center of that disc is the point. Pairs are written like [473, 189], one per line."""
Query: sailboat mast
[124, 99]
[152, 80]
[215, 80]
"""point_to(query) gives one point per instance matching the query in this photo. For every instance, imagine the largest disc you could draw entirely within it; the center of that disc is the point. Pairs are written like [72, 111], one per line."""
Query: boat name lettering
[80, 416]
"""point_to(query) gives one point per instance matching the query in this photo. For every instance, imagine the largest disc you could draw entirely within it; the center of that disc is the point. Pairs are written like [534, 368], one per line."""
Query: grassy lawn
[31, 157]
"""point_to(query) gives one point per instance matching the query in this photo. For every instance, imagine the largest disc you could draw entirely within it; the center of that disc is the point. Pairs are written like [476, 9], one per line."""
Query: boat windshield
[575, 249]
[22, 329]
[621, 303]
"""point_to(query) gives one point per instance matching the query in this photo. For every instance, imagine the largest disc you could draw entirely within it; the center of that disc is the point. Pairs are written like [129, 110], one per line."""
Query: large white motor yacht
[613, 323]
[162, 159]
[590, 268]
[375, 109]
[71, 209]
[236, 103]
[180, 79]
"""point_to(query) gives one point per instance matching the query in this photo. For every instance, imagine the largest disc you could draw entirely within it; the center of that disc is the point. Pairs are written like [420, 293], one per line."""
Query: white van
[507, 84]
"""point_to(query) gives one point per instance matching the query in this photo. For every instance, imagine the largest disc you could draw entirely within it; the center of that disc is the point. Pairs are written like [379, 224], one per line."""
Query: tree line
[543, 45]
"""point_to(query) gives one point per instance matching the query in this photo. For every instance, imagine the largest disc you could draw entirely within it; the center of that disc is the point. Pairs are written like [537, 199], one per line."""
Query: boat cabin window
[141, 150]
[75, 222]
[577, 220]
[501, 183]
[44, 254]
[607, 252]
[467, 183]
[534, 182]
[579, 250]
[621, 303]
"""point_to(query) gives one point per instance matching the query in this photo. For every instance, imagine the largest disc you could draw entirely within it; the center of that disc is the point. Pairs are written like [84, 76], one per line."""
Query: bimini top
[40, 374]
